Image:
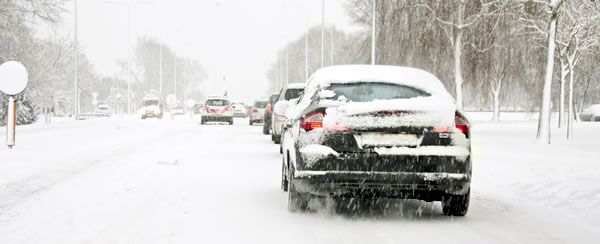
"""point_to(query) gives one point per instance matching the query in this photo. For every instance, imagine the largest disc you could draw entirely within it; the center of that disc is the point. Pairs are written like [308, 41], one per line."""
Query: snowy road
[133, 181]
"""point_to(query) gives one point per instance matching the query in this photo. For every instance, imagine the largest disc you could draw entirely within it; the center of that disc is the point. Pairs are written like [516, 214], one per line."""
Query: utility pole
[160, 71]
[323, 33]
[373, 37]
[76, 79]
[331, 45]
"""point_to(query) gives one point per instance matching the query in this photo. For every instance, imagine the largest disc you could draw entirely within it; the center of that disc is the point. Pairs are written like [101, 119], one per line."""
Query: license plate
[386, 140]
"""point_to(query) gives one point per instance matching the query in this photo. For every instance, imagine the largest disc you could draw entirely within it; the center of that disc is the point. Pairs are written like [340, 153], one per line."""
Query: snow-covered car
[592, 113]
[178, 110]
[239, 110]
[217, 110]
[291, 91]
[152, 108]
[103, 110]
[377, 131]
[257, 111]
[269, 113]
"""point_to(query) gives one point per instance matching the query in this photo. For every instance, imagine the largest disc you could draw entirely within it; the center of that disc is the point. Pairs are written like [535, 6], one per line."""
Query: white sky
[237, 39]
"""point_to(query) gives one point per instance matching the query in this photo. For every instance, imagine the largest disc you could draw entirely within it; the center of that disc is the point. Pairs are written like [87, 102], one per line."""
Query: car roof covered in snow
[295, 85]
[412, 77]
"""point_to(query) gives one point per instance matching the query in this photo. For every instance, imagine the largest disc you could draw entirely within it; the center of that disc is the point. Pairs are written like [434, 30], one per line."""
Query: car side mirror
[281, 107]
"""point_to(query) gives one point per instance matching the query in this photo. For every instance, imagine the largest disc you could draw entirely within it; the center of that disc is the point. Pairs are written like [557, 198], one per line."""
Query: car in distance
[377, 131]
[217, 110]
[291, 91]
[239, 110]
[592, 113]
[269, 113]
[257, 111]
[103, 110]
[152, 108]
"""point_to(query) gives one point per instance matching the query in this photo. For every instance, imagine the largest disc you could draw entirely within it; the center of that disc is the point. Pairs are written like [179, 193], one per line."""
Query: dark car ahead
[268, 113]
[377, 131]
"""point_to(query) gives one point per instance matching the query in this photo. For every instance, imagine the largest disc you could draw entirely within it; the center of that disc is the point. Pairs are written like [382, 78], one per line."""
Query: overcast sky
[237, 39]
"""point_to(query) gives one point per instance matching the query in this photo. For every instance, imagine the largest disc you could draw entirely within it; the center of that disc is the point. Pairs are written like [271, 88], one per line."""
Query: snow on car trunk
[413, 112]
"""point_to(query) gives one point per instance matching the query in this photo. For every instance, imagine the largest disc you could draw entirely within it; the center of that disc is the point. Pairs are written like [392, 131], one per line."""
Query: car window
[260, 104]
[217, 102]
[370, 91]
[292, 93]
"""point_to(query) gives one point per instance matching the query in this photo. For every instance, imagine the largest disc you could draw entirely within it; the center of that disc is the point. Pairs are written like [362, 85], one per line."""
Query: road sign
[13, 78]
[171, 100]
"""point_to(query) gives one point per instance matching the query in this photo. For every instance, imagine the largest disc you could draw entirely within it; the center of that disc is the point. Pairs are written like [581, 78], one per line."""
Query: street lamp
[76, 78]
[128, 5]
[373, 38]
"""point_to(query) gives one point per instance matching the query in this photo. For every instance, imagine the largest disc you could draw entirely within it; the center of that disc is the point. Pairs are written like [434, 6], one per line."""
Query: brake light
[312, 121]
[254, 110]
[462, 124]
[226, 109]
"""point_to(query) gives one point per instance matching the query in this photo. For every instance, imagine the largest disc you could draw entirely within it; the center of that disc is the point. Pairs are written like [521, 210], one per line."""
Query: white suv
[217, 110]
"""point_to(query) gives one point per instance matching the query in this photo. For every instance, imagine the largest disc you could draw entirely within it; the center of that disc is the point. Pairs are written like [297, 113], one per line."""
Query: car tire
[231, 121]
[297, 201]
[276, 139]
[143, 117]
[251, 122]
[456, 205]
[284, 181]
[596, 119]
[202, 121]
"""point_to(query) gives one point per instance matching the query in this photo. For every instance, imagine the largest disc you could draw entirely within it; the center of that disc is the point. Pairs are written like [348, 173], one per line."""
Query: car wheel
[596, 119]
[143, 117]
[276, 139]
[284, 181]
[297, 201]
[202, 121]
[251, 123]
[230, 121]
[456, 205]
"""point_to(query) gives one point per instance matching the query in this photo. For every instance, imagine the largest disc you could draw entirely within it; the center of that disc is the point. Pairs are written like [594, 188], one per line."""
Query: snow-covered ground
[161, 181]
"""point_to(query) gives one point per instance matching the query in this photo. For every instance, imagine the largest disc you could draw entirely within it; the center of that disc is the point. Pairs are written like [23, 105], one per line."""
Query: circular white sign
[171, 100]
[13, 78]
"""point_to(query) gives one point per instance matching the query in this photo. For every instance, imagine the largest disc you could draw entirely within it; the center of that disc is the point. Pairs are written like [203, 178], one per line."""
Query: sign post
[172, 101]
[13, 81]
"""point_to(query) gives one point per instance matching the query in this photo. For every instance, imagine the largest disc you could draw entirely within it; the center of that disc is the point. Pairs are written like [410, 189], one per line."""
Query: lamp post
[323, 33]
[76, 77]
[128, 5]
[373, 38]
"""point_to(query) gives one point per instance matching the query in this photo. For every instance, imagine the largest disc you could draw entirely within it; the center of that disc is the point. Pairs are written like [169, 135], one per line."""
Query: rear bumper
[217, 118]
[423, 186]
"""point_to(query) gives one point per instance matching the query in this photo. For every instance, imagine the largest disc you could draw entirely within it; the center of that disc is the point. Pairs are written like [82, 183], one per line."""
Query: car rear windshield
[292, 94]
[150, 102]
[217, 102]
[370, 91]
[260, 104]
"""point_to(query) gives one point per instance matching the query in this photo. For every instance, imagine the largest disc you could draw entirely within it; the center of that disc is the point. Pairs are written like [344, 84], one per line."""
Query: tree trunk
[458, 79]
[543, 132]
[496, 116]
[561, 106]
[571, 109]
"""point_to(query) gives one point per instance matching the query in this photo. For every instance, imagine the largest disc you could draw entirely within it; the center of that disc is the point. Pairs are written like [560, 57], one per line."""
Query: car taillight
[462, 124]
[226, 109]
[312, 121]
[253, 110]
